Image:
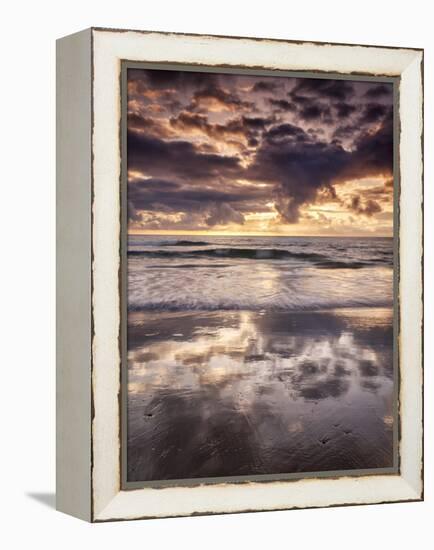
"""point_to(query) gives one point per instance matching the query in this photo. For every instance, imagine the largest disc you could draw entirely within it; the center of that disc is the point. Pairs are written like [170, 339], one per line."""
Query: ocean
[253, 356]
[254, 273]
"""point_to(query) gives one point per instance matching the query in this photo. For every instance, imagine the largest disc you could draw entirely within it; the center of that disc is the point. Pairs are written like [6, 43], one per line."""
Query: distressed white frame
[108, 48]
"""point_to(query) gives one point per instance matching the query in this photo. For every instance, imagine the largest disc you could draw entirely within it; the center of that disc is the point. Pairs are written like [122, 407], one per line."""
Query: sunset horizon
[253, 234]
[202, 233]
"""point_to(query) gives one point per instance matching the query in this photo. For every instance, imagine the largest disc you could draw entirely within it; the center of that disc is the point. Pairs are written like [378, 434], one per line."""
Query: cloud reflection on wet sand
[248, 393]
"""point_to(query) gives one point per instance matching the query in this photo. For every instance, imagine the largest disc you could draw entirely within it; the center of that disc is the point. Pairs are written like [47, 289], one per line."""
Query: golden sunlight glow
[331, 217]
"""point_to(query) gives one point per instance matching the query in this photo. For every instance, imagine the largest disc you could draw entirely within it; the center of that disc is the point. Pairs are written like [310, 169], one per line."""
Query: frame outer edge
[73, 275]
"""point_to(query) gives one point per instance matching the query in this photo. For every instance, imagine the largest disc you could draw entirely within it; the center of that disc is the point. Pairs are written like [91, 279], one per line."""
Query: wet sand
[233, 393]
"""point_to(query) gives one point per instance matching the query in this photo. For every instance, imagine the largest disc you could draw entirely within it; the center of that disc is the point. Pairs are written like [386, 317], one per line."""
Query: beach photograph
[260, 276]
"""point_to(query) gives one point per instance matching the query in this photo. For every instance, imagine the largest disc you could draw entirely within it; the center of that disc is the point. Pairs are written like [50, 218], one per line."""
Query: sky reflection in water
[248, 393]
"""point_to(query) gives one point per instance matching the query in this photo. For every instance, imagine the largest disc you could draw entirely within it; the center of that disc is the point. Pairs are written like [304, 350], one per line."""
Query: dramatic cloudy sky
[264, 155]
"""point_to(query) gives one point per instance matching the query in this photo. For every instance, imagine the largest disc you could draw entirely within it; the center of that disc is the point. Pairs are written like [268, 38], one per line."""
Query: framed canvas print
[239, 266]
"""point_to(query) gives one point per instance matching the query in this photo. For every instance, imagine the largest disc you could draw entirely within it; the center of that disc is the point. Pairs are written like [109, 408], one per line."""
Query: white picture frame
[88, 271]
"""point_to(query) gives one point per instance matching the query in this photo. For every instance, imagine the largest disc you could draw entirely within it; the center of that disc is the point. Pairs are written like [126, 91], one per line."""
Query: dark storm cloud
[218, 206]
[241, 128]
[159, 158]
[298, 138]
[299, 166]
[348, 132]
[373, 112]
[379, 91]
[149, 194]
[325, 88]
[226, 100]
[154, 193]
[150, 125]
[256, 122]
[161, 79]
[370, 207]
[302, 166]
[286, 132]
[343, 110]
[190, 120]
[171, 85]
[373, 153]
[323, 101]
[316, 113]
[263, 86]
[282, 104]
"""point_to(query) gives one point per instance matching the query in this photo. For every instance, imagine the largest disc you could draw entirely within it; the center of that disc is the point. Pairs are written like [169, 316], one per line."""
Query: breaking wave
[320, 260]
[259, 274]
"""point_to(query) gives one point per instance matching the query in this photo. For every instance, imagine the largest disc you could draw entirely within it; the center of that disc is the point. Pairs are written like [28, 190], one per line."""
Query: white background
[27, 399]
